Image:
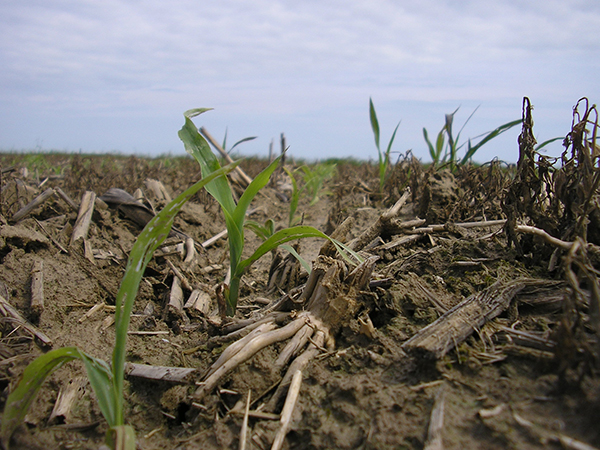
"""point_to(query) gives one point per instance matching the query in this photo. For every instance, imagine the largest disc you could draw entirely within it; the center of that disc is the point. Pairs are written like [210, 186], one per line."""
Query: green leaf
[101, 379]
[224, 144]
[389, 147]
[304, 263]
[241, 141]
[374, 123]
[265, 231]
[549, 141]
[386, 160]
[21, 398]
[287, 235]
[432, 152]
[219, 188]
[257, 184]
[235, 222]
[121, 437]
[439, 144]
[471, 150]
[153, 234]
[197, 146]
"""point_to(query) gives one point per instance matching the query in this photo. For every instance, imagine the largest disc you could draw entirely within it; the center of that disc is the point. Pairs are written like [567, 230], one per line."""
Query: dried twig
[84, 218]
[384, 221]
[27, 209]
[67, 199]
[244, 430]
[7, 310]
[543, 234]
[214, 239]
[288, 409]
[436, 423]
[54, 241]
[250, 349]
[436, 339]
[37, 288]
[67, 396]
[565, 441]
[446, 227]
[181, 375]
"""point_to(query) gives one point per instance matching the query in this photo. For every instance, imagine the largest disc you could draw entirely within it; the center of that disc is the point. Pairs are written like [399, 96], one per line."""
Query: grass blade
[304, 263]
[294, 199]
[374, 124]
[197, 146]
[439, 145]
[432, 151]
[241, 141]
[287, 235]
[386, 160]
[549, 141]
[471, 150]
[21, 398]
[121, 438]
[257, 184]
[155, 232]
[101, 379]
[265, 231]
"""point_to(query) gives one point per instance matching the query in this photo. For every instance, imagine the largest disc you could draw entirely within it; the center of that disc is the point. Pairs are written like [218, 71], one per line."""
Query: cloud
[276, 60]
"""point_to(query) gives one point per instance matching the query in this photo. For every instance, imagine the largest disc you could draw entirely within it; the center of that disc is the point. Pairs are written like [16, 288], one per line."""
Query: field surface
[470, 327]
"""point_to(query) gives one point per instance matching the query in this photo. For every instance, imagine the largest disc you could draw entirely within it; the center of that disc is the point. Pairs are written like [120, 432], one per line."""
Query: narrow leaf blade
[488, 137]
[241, 141]
[197, 146]
[257, 184]
[432, 152]
[287, 235]
[21, 398]
[374, 122]
[296, 255]
[153, 234]
[101, 380]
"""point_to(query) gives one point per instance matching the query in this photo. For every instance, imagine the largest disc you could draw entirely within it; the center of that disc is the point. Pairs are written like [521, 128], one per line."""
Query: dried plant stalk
[451, 329]
[84, 218]
[37, 288]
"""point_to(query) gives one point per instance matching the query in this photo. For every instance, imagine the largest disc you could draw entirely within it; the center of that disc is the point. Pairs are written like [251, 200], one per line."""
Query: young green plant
[241, 141]
[384, 157]
[450, 155]
[314, 177]
[235, 214]
[107, 382]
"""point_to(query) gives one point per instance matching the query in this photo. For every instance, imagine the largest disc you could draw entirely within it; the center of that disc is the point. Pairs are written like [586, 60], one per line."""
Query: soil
[365, 394]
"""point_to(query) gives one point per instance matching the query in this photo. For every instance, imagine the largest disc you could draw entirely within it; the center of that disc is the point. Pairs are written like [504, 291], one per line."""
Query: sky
[116, 76]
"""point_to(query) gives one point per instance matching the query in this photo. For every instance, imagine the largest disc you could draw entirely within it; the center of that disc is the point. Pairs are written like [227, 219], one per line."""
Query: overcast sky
[115, 75]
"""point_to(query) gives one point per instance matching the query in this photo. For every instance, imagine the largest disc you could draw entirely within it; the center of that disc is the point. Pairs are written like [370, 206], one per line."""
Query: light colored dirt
[362, 396]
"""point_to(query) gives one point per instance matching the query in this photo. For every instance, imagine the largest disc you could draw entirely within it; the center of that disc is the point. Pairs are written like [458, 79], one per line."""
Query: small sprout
[107, 382]
[235, 214]
[384, 157]
[450, 154]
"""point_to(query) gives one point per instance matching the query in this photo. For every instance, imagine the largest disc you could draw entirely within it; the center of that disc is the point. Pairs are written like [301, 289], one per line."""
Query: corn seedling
[241, 141]
[313, 184]
[384, 157]
[234, 213]
[315, 177]
[106, 381]
[292, 219]
[450, 149]
[267, 230]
